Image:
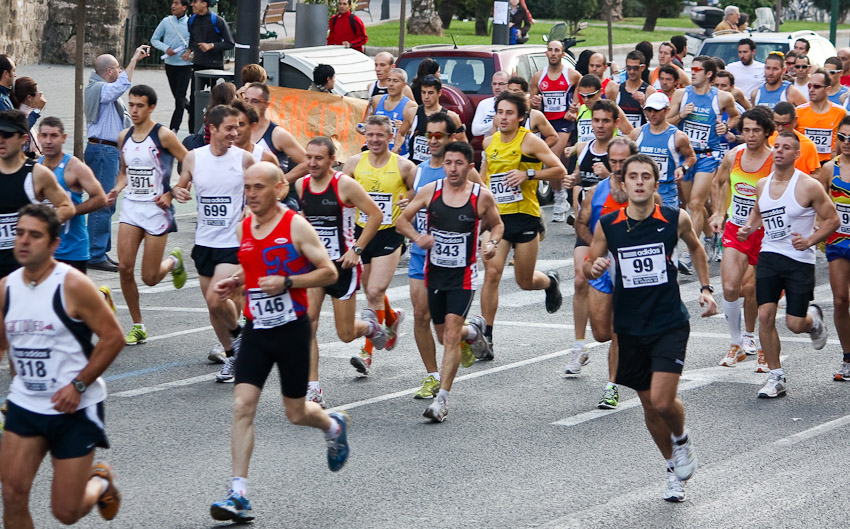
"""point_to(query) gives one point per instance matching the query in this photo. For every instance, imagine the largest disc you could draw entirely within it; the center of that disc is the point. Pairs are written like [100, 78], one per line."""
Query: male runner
[328, 201]
[734, 198]
[668, 80]
[775, 89]
[394, 104]
[802, 71]
[785, 118]
[511, 164]
[536, 121]
[632, 94]
[56, 398]
[454, 207]
[597, 64]
[787, 202]
[147, 152]
[650, 319]
[387, 177]
[666, 52]
[247, 123]
[590, 91]
[836, 92]
[416, 117]
[725, 81]
[819, 118]
[383, 64]
[281, 256]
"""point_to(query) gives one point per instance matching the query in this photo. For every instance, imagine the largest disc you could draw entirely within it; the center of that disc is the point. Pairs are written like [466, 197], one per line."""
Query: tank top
[384, 185]
[782, 217]
[662, 149]
[396, 113]
[603, 203]
[802, 88]
[725, 145]
[770, 98]
[554, 92]
[836, 98]
[16, 191]
[377, 90]
[820, 128]
[743, 186]
[839, 192]
[700, 124]
[629, 105]
[332, 218]
[425, 174]
[452, 262]
[503, 158]
[74, 243]
[267, 143]
[47, 347]
[418, 144]
[257, 152]
[148, 166]
[275, 254]
[584, 125]
[586, 160]
[646, 290]
[220, 193]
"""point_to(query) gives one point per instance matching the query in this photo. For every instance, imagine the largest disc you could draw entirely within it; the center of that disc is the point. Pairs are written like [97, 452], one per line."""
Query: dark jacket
[520, 20]
[202, 30]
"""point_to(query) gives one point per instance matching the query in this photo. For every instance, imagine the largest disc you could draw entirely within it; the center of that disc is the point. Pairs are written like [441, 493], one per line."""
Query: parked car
[726, 46]
[293, 68]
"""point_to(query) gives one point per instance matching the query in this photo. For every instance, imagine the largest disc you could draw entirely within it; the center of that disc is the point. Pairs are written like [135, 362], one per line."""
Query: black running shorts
[383, 243]
[288, 346]
[68, 435]
[775, 273]
[520, 227]
[207, 258]
[443, 302]
[641, 356]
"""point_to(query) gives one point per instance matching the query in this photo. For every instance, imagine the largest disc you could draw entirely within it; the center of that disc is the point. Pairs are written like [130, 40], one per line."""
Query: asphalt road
[522, 446]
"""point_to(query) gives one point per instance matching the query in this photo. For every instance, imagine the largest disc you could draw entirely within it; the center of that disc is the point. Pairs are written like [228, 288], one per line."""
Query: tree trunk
[483, 10]
[652, 12]
[446, 10]
[617, 10]
[424, 19]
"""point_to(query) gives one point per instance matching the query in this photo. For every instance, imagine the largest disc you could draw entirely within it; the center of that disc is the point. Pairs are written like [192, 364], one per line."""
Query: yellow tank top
[503, 158]
[384, 185]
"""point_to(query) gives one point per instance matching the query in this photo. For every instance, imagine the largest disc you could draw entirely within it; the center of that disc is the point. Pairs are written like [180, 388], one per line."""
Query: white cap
[658, 101]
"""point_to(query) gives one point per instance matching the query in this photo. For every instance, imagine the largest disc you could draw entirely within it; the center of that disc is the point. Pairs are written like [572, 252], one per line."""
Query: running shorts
[148, 216]
[750, 247]
[383, 243]
[520, 227]
[641, 356]
[206, 258]
[775, 273]
[68, 435]
[443, 302]
[288, 346]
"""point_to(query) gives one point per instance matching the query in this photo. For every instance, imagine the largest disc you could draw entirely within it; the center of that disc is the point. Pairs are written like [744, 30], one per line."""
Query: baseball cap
[8, 125]
[658, 101]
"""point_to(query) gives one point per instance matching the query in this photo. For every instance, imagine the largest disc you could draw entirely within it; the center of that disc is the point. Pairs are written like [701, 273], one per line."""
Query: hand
[170, 52]
[799, 243]
[66, 399]
[346, 44]
[721, 128]
[181, 194]
[569, 180]
[205, 46]
[731, 138]
[141, 52]
[569, 151]
[349, 260]
[111, 197]
[706, 301]
[679, 174]
[186, 55]
[716, 222]
[515, 178]
[600, 170]
[570, 115]
[537, 101]
[163, 200]
[640, 97]
[425, 241]
[687, 111]
[39, 101]
[599, 266]
[488, 250]
[272, 285]
[744, 231]
[225, 287]
[402, 203]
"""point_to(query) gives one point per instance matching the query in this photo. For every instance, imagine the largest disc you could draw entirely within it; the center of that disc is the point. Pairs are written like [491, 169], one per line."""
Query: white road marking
[180, 333]
[168, 309]
[813, 432]
[191, 283]
[162, 387]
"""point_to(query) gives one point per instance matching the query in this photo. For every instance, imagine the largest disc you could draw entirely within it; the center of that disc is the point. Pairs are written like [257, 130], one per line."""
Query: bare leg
[525, 258]
[751, 308]
[422, 325]
[379, 277]
[699, 197]
[154, 267]
[839, 279]
[74, 493]
[224, 315]
[20, 458]
[315, 299]
[451, 332]
[492, 277]
[580, 298]
[768, 336]
[129, 240]
[245, 399]
[663, 411]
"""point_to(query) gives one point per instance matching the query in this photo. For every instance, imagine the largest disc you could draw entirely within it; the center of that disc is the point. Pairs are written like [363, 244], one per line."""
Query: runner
[775, 89]
[735, 195]
[598, 65]
[276, 276]
[649, 317]
[669, 81]
[511, 165]
[632, 94]
[725, 81]
[383, 64]
[247, 123]
[536, 121]
[454, 207]
[394, 105]
[802, 70]
[328, 199]
[819, 118]
[785, 118]
[666, 53]
[416, 117]
[590, 91]
[56, 398]
[387, 178]
[147, 151]
[837, 91]
[787, 259]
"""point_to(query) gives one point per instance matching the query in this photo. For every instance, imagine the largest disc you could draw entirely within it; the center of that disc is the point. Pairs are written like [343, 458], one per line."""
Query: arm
[674, 115]
[172, 144]
[727, 104]
[480, 127]
[226, 41]
[284, 141]
[353, 193]
[582, 222]
[404, 223]
[474, 177]
[141, 52]
[720, 192]
[596, 262]
[350, 164]
[754, 220]
[360, 36]
[534, 146]
[684, 80]
[741, 98]
[181, 189]
[544, 127]
[156, 38]
[406, 124]
[79, 176]
[686, 150]
[534, 91]
[307, 244]
[623, 123]
[46, 186]
[489, 215]
[824, 174]
[825, 209]
[121, 179]
[700, 261]
[794, 96]
[611, 90]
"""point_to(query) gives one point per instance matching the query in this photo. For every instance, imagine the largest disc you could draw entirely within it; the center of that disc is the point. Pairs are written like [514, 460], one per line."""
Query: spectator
[844, 55]
[743, 22]
[28, 99]
[346, 28]
[748, 72]
[171, 37]
[520, 23]
[681, 44]
[730, 19]
[482, 123]
[106, 117]
[7, 81]
[221, 94]
[427, 67]
[644, 47]
[209, 38]
[251, 73]
[323, 79]
[802, 46]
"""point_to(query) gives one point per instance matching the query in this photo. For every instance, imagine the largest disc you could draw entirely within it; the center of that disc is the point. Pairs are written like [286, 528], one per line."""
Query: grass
[685, 22]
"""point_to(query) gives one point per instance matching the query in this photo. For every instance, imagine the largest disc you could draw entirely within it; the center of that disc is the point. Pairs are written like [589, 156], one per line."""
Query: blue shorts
[603, 283]
[837, 252]
[68, 435]
[416, 266]
[706, 163]
[563, 125]
[669, 194]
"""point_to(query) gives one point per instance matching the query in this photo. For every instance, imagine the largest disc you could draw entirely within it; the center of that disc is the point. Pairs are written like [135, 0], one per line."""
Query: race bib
[698, 133]
[421, 151]
[634, 120]
[555, 101]
[643, 266]
[776, 223]
[36, 367]
[330, 239]
[822, 138]
[421, 221]
[385, 203]
[270, 311]
[741, 209]
[449, 249]
[585, 131]
[844, 217]
[661, 161]
[504, 193]
[140, 181]
[214, 211]
[8, 229]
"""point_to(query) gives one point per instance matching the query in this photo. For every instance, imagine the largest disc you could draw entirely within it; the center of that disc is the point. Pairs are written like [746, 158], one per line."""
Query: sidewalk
[369, 18]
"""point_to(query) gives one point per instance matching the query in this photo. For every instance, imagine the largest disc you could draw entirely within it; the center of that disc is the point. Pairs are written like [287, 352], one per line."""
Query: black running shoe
[553, 292]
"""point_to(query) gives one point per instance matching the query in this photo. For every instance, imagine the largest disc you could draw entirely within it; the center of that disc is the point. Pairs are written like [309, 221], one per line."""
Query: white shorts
[147, 216]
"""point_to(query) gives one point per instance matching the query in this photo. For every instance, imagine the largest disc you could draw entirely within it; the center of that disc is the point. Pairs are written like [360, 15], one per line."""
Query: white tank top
[220, 192]
[782, 217]
[802, 88]
[148, 167]
[258, 152]
[47, 347]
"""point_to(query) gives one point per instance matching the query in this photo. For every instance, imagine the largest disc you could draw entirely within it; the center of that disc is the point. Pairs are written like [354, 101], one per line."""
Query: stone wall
[22, 29]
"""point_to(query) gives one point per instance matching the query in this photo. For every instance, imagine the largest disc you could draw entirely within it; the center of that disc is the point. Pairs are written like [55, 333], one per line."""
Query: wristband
[706, 287]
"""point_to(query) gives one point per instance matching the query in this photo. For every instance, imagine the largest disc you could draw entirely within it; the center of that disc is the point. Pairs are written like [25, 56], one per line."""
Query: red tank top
[274, 254]
[555, 102]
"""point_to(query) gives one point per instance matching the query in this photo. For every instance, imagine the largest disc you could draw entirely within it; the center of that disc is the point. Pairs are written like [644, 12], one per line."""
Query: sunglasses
[589, 94]
[634, 68]
[782, 123]
[843, 137]
[695, 69]
[801, 66]
[436, 135]
[790, 63]
[816, 86]
[6, 134]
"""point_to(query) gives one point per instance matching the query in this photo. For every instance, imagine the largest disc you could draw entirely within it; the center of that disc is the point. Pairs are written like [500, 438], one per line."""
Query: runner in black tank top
[14, 195]
[452, 263]
[630, 105]
[418, 143]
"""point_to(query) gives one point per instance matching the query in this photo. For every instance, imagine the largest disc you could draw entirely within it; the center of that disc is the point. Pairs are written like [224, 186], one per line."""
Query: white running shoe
[843, 373]
[761, 363]
[316, 396]
[749, 344]
[734, 355]
[228, 370]
[438, 410]
[675, 491]
[216, 354]
[776, 385]
[377, 334]
[579, 359]
[819, 332]
[685, 460]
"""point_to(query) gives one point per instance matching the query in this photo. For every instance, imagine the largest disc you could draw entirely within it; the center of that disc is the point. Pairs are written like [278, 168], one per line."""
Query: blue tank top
[662, 149]
[425, 174]
[396, 113]
[74, 237]
[700, 124]
[725, 145]
[837, 97]
[600, 196]
[770, 98]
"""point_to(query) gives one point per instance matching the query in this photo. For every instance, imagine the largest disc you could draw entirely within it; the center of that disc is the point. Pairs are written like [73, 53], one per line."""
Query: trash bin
[204, 81]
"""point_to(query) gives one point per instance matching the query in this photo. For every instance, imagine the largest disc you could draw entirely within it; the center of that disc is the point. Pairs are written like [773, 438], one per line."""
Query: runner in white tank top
[247, 123]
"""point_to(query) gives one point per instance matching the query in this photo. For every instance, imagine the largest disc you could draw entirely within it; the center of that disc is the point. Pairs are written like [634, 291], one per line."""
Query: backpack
[333, 19]
[213, 19]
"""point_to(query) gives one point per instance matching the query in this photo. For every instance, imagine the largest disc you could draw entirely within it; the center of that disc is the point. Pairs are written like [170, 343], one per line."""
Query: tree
[659, 8]
[576, 11]
[424, 19]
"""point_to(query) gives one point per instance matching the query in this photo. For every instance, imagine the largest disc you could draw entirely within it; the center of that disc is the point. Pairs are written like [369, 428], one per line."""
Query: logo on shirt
[28, 326]
[281, 240]
[743, 188]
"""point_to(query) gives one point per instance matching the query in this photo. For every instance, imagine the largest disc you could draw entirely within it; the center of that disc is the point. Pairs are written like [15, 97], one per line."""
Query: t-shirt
[748, 78]
[809, 161]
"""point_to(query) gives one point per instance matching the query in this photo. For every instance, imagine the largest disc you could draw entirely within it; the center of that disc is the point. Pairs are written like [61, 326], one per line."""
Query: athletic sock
[680, 439]
[234, 333]
[779, 372]
[314, 385]
[815, 324]
[610, 385]
[389, 312]
[368, 347]
[732, 311]
[579, 344]
[443, 394]
[333, 431]
[471, 333]
[488, 331]
[103, 482]
[239, 486]
[846, 357]
[139, 325]
[229, 352]
[174, 262]
[436, 375]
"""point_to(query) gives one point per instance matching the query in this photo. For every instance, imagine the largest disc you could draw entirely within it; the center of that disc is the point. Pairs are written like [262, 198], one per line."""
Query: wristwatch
[287, 284]
[79, 385]
[357, 250]
[685, 168]
[530, 174]
[707, 287]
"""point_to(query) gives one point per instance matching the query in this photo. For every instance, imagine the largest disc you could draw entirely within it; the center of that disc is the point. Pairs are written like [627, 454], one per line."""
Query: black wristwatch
[357, 250]
[287, 284]
[530, 174]
[707, 287]
[79, 385]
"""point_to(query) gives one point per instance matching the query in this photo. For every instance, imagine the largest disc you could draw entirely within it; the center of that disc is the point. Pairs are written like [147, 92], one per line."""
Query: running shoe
[843, 373]
[610, 398]
[466, 356]
[685, 460]
[430, 388]
[392, 330]
[685, 265]
[761, 363]
[558, 216]
[216, 354]
[710, 248]
[478, 346]
[376, 334]
[233, 508]
[819, 331]
[178, 273]
[559, 208]
[488, 352]
[110, 500]
[579, 359]
[362, 362]
[107, 295]
[749, 345]
[136, 336]
[734, 355]
[675, 491]
[718, 250]
[316, 396]
[228, 370]
[553, 292]
[438, 410]
[776, 385]
[338, 446]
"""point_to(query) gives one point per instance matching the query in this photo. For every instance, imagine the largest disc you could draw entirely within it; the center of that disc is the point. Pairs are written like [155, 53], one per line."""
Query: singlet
[802, 88]
[629, 105]
[603, 203]
[662, 149]
[554, 92]
[16, 191]
[257, 152]
[646, 291]
[148, 166]
[783, 216]
[418, 144]
[385, 185]
[743, 186]
[839, 192]
[452, 262]
[503, 158]
[275, 254]
[820, 128]
[377, 90]
[836, 98]
[47, 347]
[725, 145]
[700, 124]
[220, 193]
[586, 161]
[396, 113]
[770, 98]
[267, 143]
[425, 174]
[74, 243]
[332, 218]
